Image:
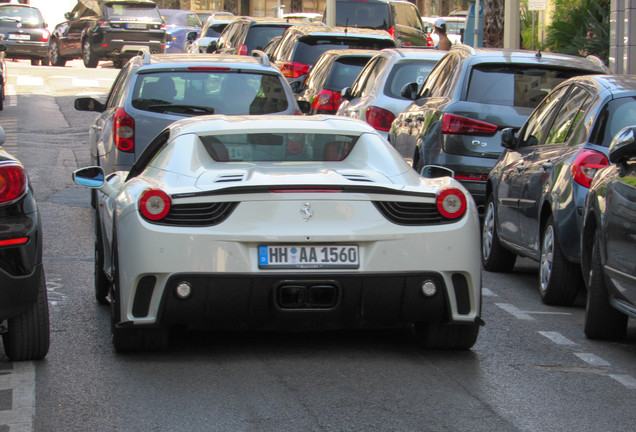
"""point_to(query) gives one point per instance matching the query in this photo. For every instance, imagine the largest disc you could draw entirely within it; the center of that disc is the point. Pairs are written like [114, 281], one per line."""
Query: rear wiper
[182, 109]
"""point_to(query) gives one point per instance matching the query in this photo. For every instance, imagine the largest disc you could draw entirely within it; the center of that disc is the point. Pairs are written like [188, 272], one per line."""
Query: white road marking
[626, 380]
[30, 80]
[487, 293]
[592, 359]
[22, 382]
[80, 82]
[516, 312]
[557, 338]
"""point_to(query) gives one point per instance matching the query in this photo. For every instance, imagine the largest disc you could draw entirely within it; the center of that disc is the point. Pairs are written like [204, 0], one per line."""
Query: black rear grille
[201, 214]
[411, 213]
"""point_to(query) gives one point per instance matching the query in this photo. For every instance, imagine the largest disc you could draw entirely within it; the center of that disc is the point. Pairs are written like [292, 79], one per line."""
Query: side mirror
[346, 93]
[192, 36]
[89, 104]
[212, 47]
[623, 145]
[305, 106]
[409, 91]
[435, 171]
[91, 177]
[508, 138]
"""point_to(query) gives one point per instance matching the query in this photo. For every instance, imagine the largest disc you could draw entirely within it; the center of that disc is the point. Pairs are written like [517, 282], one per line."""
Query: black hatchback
[24, 314]
[537, 189]
[25, 33]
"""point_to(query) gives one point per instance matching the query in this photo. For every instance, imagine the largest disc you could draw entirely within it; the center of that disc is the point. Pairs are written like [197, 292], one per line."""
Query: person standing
[440, 29]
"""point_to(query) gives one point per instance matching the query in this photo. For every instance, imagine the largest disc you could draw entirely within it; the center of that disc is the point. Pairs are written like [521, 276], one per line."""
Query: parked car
[333, 71]
[107, 30]
[3, 74]
[301, 46]
[537, 189]
[235, 223]
[198, 41]
[25, 33]
[178, 24]
[246, 34]
[152, 91]
[607, 242]
[457, 115]
[376, 94]
[24, 313]
[400, 18]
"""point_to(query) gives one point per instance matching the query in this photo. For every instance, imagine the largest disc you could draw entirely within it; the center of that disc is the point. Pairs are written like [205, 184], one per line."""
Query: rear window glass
[344, 72]
[25, 16]
[309, 49]
[454, 27]
[258, 36]
[207, 92]
[120, 10]
[215, 30]
[362, 14]
[514, 86]
[278, 147]
[407, 72]
[616, 115]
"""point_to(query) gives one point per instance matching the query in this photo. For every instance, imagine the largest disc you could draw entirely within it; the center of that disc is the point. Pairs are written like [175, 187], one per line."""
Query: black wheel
[447, 336]
[602, 321]
[45, 61]
[88, 54]
[102, 283]
[1, 97]
[118, 63]
[54, 54]
[27, 337]
[35, 62]
[494, 257]
[559, 279]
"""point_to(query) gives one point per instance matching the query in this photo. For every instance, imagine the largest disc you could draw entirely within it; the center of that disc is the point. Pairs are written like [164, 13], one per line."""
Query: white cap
[439, 22]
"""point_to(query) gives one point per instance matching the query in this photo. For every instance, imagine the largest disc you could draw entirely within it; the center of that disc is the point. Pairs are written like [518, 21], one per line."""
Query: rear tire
[88, 54]
[447, 336]
[45, 61]
[54, 55]
[28, 335]
[35, 62]
[559, 279]
[494, 257]
[602, 321]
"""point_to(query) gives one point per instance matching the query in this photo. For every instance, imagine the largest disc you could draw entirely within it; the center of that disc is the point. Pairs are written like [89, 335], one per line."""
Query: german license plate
[19, 36]
[136, 26]
[308, 257]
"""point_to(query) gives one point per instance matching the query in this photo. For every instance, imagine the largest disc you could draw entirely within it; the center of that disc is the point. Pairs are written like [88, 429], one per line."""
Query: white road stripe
[487, 293]
[592, 359]
[627, 380]
[22, 381]
[557, 338]
[516, 312]
[30, 81]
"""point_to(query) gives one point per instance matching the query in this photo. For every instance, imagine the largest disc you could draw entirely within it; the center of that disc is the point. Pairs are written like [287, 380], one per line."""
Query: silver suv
[152, 91]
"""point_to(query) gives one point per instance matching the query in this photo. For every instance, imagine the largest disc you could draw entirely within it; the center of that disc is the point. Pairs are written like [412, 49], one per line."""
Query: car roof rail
[261, 56]
[144, 53]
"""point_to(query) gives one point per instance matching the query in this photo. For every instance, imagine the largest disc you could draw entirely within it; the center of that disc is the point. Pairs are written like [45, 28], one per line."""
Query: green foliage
[583, 31]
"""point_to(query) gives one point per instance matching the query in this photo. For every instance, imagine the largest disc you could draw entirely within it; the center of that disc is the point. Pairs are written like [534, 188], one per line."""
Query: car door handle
[547, 165]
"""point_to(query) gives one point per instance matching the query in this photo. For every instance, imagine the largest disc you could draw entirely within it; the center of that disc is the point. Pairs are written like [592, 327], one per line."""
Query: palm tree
[493, 23]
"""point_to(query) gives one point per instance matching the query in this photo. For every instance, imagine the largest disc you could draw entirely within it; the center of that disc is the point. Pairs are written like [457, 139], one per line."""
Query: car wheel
[118, 63]
[27, 337]
[602, 321]
[494, 256]
[132, 339]
[1, 97]
[54, 54]
[35, 62]
[45, 61]
[447, 336]
[102, 283]
[88, 54]
[559, 279]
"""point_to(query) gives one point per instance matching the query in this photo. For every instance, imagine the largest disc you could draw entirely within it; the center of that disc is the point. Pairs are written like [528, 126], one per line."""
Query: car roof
[414, 53]
[615, 83]
[349, 52]
[324, 30]
[185, 60]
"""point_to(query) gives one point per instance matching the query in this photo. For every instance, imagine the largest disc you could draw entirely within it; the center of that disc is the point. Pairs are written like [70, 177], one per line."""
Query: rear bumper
[26, 49]
[114, 44]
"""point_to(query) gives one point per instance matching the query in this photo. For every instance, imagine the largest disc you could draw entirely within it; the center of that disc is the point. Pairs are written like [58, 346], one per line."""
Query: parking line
[557, 338]
[487, 293]
[516, 312]
[626, 380]
[22, 383]
[592, 359]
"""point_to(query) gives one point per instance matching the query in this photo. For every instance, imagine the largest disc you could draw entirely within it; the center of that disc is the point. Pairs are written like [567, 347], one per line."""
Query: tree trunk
[493, 23]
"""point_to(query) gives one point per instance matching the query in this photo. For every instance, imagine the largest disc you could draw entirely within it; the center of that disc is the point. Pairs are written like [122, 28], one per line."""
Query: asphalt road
[532, 368]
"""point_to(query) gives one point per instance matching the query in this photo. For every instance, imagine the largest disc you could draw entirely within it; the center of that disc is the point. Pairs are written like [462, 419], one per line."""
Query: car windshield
[207, 92]
[344, 72]
[407, 72]
[278, 147]
[310, 48]
[258, 36]
[131, 10]
[520, 86]
[362, 14]
[26, 16]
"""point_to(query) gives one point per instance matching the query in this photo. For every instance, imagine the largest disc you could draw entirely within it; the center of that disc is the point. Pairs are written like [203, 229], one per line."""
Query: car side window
[372, 77]
[226, 35]
[440, 80]
[407, 15]
[116, 89]
[569, 117]
[433, 77]
[537, 123]
[360, 81]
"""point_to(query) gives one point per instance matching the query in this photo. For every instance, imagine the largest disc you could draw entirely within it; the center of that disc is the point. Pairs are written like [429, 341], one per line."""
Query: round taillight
[451, 202]
[154, 204]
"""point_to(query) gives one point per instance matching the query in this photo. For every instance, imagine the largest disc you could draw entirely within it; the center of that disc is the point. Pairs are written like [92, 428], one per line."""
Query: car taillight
[453, 124]
[45, 36]
[326, 102]
[429, 41]
[293, 69]
[451, 202]
[586, 164]
[154, 204]
[13, 182]
[14, 241]
[124, 131]
[392, 32]
[379, 118]
[242, 50]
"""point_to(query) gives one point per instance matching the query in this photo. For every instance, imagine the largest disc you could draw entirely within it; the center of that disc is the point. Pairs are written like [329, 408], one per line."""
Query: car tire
[35, 62]
[602, 321]
[28, 335]
[45, 61]
[132, 339]
[102, 283]
[559, 279]
[88, 54]
[494, 256]
[447, 336]
[54, 55]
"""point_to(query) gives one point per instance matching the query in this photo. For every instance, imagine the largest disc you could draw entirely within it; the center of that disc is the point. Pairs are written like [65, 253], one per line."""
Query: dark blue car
[178, 24]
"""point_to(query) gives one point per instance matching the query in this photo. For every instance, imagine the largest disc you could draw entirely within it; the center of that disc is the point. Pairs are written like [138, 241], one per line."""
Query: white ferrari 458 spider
[283, 223]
